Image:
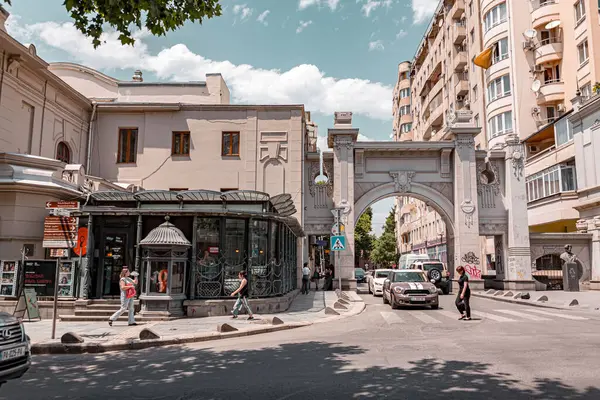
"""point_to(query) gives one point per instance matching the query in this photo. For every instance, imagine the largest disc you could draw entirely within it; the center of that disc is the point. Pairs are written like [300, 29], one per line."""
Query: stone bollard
[518, 295]
[339, 306]
[274, 321]
[573, 302]
[508, 294]
[71, 338]
[490, 291]
[226, 328]
[148, 334]
[498, 293]
[542, 298]
[343, 301]
[331, 311]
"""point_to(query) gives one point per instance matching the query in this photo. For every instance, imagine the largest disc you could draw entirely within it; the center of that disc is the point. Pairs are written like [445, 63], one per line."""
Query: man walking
[305, 278]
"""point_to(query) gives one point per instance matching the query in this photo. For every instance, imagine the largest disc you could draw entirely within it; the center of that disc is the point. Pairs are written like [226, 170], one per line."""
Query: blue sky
[331, 55]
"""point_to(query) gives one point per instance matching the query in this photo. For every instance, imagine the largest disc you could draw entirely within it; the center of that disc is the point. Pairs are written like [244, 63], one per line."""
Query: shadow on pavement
[311, 370]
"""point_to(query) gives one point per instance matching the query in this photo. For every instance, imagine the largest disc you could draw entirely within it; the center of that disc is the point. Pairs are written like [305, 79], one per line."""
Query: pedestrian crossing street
[432, 317]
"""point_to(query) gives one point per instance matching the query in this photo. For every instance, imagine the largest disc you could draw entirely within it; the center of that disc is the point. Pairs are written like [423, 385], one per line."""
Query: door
[115, 246]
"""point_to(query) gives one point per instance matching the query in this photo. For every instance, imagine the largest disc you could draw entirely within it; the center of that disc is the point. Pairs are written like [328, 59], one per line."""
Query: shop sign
[70, 205]
[59, 253]
[213, 250]
[60, 232]
[40, 275]
[81, 247]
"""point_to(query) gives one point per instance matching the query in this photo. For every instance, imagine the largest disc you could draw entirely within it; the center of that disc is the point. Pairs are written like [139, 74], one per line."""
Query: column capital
[341, 137]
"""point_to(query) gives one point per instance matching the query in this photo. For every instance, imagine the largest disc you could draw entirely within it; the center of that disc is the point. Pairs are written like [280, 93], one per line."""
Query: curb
[524, 302]
[137, 344]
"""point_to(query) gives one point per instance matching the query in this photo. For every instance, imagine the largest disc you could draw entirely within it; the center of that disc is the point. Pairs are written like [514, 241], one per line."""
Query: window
[563, 132]
[404, 110]
[404, 93]
[586, 90]
[552, 74]
[405, 128]
[235, 242]
[127, 145]
[550, 113]
[579, 12]
[500, 51]
[180, 145]
[583, 52]
[499, 88]
[259, 239]
[231, 144]
[208, 239]
[63, 153]
[495, 16]
[500, 124]
[553, 180]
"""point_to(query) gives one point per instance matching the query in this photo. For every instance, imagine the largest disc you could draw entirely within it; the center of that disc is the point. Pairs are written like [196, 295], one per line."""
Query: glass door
[114, 259]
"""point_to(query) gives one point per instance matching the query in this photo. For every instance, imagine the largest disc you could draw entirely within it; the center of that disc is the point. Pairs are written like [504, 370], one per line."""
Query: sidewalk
[305, 310]
[587, 300]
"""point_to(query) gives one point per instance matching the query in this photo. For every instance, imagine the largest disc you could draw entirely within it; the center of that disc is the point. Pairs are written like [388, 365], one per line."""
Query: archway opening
[63, 153]
[548, 271]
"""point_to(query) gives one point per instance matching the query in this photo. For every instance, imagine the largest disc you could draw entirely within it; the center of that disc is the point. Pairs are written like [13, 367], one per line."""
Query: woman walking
[242, 296]
[464, 295]
[316, 276]
[127, 286]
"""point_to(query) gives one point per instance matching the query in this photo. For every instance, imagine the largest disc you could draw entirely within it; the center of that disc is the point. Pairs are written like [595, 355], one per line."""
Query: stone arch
[432, 197]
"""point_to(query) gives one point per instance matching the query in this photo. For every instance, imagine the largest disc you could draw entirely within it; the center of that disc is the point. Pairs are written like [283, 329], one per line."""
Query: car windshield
[359, 271]
[409, 277]
[382, 274]
[429, 266]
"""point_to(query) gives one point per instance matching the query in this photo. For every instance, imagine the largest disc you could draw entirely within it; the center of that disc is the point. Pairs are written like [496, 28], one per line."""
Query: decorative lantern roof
[166, 234]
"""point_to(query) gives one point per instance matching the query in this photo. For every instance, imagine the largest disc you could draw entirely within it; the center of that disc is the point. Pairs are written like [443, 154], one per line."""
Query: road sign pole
[55, 298]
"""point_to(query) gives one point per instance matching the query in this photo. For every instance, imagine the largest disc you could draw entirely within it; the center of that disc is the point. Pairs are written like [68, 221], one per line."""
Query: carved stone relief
[468, 208]
[343, 141]
[488, 184]
[402, 180]
[445, 163]
[321, 192]
[273, 146]
[465, 142]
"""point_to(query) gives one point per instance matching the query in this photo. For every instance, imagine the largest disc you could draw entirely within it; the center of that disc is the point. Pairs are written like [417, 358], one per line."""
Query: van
[407, 259]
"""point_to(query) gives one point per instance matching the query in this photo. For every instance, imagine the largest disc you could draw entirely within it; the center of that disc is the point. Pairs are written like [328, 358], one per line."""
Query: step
[113, 307]
[92, 318]
[106, 313]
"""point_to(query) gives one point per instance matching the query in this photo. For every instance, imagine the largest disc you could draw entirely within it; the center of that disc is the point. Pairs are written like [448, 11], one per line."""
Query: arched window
[63, 153]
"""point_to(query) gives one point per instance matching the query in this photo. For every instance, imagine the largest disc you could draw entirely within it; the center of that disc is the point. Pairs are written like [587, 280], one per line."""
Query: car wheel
[435, 306]
[435, 274]
[384, 299]
[393, 303]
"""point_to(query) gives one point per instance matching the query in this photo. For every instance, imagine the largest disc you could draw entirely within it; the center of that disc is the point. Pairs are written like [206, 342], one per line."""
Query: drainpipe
[2, 75]
[88, 160]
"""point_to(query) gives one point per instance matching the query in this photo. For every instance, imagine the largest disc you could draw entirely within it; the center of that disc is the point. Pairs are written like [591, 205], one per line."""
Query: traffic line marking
[565, 316]
[391, 317]
[424, 317]
[523, 315]
[449, 314]
[493, 317]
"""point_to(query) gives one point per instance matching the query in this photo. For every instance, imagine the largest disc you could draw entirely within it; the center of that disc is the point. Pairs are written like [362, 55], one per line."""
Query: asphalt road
[507, 352]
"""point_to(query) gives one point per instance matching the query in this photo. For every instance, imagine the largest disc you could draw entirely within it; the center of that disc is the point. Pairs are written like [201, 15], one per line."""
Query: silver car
[409, 287]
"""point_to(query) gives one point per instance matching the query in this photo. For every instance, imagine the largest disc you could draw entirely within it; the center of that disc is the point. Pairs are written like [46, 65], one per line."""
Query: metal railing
[550, 40]
[536, 4]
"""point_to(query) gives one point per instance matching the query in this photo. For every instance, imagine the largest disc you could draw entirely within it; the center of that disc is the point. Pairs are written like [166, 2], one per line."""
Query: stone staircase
[101, 310]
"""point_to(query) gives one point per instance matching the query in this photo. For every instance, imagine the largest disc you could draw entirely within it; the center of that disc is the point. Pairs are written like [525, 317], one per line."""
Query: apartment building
[402, 125]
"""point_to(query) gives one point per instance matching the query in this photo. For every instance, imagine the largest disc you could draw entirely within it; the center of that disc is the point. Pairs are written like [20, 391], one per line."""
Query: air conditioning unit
[561, 108]
[538, 68]
[528, 45]
[534, 149]
[535, 110]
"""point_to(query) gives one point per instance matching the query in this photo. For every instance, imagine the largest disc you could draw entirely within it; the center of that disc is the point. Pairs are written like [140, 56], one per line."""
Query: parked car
[15, 348]
[360, 275]
[436, 272]
[376, 281]
[407, 259]
[409, 287]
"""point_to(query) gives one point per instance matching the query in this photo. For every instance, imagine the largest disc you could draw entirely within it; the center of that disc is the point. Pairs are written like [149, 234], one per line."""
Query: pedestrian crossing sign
[338, 243]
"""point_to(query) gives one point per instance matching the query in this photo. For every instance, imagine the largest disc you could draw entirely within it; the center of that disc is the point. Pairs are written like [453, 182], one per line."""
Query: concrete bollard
[148, 334]
[508, 294]
[339, 306]
[542, 298]
[343, 301]
[490, 291]
[518, 295]
[274, 321]
[71, 338]
[331, 311]
[226, 328]
[573, 302]
[498, 293]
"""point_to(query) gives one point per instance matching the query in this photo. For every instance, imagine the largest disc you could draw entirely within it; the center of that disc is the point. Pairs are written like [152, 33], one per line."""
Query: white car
[376, 281]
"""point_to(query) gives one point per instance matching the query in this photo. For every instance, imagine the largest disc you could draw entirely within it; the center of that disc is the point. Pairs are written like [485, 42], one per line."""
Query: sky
[330, 55]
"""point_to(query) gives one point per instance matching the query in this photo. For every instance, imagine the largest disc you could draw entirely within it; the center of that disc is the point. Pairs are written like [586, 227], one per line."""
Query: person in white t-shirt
[305, 278]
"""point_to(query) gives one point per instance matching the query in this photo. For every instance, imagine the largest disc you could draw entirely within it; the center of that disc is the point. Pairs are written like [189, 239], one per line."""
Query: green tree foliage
[158, 16]
[363, 239]
[385, 252]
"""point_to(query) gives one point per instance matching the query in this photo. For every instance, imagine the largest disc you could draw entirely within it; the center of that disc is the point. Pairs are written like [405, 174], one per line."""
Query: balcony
[462, 86]
[549, 50]
[552, 91]
[458, 9]
[460, 33]
[460, 61]
[544, 11]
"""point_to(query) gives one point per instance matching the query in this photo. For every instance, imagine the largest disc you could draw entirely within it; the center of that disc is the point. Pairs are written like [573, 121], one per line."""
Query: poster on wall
[9, 272]
[40, 276]
[65, 279]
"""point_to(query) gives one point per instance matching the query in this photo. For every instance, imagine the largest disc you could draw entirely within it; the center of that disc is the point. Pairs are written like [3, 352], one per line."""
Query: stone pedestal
[570, 278]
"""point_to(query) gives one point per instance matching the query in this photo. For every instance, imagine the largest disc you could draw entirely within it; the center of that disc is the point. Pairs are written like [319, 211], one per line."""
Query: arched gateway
[477, 193]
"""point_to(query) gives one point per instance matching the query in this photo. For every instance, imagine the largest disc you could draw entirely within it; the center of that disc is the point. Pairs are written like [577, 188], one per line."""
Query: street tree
[363, 238]
[385, 252]
[91, 17]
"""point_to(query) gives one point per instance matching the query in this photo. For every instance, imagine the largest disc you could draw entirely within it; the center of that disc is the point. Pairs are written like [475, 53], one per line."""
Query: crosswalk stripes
[421, 316]
[559, 315]
[449, 314]
[391, 317]
[493, 317]
[523, 315]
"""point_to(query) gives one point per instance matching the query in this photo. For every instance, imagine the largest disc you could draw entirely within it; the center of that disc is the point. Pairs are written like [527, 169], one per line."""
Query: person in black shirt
[464, 295]
[242, 296]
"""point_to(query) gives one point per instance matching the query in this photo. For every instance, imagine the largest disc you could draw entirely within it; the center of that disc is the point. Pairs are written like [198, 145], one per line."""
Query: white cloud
[402, 33]
[303, 25]
[376, 45]
[263, 16]
[243, 11]
[369, 6]
[332, 4]
[302, 84]
[423, 10]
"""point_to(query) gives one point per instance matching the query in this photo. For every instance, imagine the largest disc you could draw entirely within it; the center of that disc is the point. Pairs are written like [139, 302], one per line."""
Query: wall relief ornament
[517, 162]
[314, 172]
[464, 142]
[402, 180]
[488, 184]
[341, 142]
[468, 208]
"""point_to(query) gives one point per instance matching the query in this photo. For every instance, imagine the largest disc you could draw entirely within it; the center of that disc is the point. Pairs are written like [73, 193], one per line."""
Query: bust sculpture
[567, 256]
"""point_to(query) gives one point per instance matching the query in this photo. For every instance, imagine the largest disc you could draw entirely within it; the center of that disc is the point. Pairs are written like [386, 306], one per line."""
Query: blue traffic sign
[338, 243]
